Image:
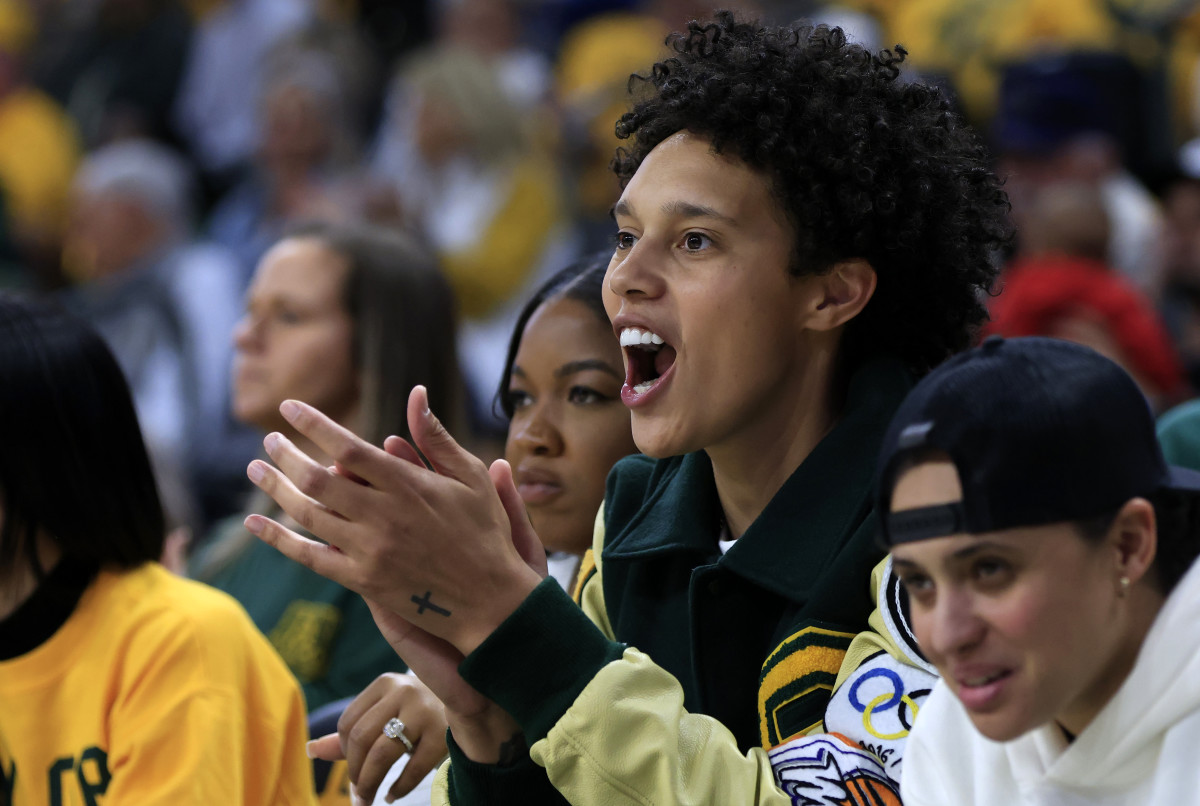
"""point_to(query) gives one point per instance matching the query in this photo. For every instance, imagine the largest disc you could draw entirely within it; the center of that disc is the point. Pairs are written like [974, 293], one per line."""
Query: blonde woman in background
[464, 167]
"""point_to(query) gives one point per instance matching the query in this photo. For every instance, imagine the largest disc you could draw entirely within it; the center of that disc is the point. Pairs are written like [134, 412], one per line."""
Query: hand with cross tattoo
[434, 545]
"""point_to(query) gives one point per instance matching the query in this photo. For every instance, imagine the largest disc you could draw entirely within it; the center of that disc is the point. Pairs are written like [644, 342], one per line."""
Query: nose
[246, 333]
[632, 274]
[536, 431]
[954, 626]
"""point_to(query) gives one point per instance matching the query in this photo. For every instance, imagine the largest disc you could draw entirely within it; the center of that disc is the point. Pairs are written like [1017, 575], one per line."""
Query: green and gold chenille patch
[304, 636]
[796, 682]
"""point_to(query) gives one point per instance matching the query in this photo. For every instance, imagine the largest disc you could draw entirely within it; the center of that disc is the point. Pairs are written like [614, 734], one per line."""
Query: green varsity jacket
[753, 639]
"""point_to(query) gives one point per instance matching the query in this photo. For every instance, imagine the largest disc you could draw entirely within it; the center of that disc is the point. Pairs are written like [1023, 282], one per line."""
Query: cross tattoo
[424, 603]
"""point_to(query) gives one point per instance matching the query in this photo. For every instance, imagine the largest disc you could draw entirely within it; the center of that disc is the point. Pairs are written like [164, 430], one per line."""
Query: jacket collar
[825, 498]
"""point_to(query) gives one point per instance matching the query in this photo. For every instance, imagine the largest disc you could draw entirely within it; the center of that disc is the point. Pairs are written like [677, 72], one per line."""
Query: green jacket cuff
[473, 783]
[539, 659]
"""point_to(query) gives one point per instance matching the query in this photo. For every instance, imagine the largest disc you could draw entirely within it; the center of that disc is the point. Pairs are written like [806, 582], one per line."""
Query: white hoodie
[1142, 748]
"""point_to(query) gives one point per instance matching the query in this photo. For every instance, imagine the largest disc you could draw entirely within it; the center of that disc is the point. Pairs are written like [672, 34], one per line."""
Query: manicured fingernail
[256, 471]
[270, 441]
[308, 749]
[289, 409]
[253, 524]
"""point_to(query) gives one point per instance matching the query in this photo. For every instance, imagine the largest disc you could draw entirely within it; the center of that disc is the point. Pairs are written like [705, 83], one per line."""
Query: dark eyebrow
[572, 367]
[975, 548]
[516, 371]
[679, 208]
[688, 210]
[964, 553]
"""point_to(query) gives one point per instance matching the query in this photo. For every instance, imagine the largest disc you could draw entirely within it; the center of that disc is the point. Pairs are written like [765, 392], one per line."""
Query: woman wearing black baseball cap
[1048, 553]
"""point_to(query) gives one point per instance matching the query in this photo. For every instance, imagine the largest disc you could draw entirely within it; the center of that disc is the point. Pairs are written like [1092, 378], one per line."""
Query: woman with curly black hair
[863, 165]
[800, 235]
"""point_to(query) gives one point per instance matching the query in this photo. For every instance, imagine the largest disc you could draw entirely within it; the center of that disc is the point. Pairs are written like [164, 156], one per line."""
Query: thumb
[445, 455]
[524, 539]
[325, 747]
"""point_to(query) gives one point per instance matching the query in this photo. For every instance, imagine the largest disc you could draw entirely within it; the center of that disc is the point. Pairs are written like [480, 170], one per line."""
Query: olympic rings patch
[904, 704]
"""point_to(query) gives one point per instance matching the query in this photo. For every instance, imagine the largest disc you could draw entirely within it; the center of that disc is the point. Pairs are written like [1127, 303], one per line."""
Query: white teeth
[982, 681]
[635, 337]
[643, 387]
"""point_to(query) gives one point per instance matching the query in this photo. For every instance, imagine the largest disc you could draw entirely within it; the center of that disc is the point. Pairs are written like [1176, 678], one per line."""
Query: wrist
[490, 736]
[508, 598]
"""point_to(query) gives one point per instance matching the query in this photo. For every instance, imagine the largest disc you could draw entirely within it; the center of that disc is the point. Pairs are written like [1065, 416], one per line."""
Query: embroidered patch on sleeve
[830, 770]
[876, 706]
[796, 681]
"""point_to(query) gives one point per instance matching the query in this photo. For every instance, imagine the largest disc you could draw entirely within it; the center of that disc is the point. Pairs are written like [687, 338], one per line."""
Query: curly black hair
[864, 164]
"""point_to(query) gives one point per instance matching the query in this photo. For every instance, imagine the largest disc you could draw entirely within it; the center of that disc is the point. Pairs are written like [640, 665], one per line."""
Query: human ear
[1134, 536]
[841, 294]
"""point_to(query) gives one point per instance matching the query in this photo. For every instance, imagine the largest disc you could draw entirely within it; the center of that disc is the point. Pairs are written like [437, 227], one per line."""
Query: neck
[1144, 604]
[19, 582]
[751, 467]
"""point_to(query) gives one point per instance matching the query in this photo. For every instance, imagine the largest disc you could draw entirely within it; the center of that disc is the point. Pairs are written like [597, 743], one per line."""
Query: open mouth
[983, 680]
[981, 692]
[648, 359]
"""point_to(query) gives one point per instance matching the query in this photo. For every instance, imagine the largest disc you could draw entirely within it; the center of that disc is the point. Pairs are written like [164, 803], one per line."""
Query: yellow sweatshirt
[156, 690]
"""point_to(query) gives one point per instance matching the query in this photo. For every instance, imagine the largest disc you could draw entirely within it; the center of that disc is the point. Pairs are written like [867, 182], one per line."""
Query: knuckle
[267, 532]
[349, 453]
[361, 583]
[267, 481]
[378, 687]
[313, 481]
[305, 519]
[302, 419]
[304, 555]
[360, 735]
[377, 554]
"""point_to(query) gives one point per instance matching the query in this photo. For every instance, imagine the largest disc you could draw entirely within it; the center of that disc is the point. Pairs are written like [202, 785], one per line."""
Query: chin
[243, 414]
[559, 536]
[1001, 727]
[658, 444]
[255, 417]
[655, 453]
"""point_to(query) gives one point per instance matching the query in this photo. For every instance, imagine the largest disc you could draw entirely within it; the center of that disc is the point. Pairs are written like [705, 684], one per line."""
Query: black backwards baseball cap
[1040, 431]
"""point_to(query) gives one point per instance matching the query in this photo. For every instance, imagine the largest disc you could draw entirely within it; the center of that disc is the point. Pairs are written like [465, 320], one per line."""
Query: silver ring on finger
[394, 729]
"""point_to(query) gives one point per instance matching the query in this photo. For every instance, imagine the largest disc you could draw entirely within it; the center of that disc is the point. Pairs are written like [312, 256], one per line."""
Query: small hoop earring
[1124, 586]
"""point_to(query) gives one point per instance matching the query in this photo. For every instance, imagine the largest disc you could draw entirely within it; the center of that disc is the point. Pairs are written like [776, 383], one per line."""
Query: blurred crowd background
[152, 150]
